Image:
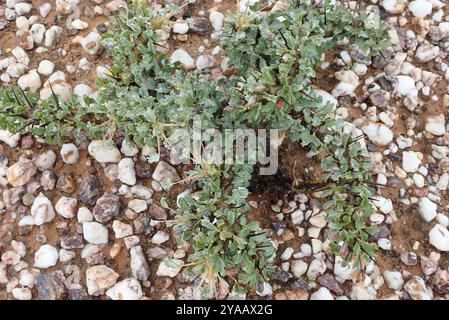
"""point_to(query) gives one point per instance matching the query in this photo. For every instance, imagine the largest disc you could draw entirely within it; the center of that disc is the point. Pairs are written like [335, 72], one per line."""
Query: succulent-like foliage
[273, 57]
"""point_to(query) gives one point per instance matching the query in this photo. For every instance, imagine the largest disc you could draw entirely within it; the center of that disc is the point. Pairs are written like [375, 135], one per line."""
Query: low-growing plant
[273, 57]
[276, 55]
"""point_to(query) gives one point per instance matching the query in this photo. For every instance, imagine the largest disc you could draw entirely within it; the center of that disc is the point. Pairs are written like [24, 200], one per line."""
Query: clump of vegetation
[273, 56]
[276, 55]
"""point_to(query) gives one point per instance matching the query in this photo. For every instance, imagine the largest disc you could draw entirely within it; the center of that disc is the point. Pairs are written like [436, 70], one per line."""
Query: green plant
[274, 56]
[215, 224]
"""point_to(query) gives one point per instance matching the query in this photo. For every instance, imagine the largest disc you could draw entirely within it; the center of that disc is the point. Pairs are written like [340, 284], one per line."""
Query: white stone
[318, 221]
[66, 255]
[360, 69]
[322, 294]
[71, 69]
[439, 237]
[20, 173]
[316, 268]
[139, 266]
[444, 28]
[216, 19]
[386, 206]
[384, 243]
[416, 288]
[128, 289]
[297, 217]
[377, 218]
[45, 9]
[22, 293]
[26, 221]
[420, 8]
[90, 250]
[343, 89]
[57, 76]
[121, 229]
[104, 151]
[298, 268]
[46, 256]
[95, 233]
[10, 139]
[4, 63]
[326, 98]
[138, 205]
[11, 258]
[84, 64]
[69, 153]
[46, 67]
[128, 148]
[406, 86]
[286, 255]
[23, 8]
[306, 249]
[61, 89]
[15, 70]
[426, 53]
[45, 160]
[381, 179]
[21, 56]
[443, 220]
[411, 161]
[66, 207]
[30, 81]
[22, 23]
[169, 267]
[37, 32]
[244, 5]
[84, 215]
[437, 4]
[160, 237]
[99, 278]
[51, 35]
[103, 72]
[440, 152]
[393, 279]
[165, 173]
[427, 209]
[313, 232]
[436, 125]
[443, 182]
[347, 76]
[378, 133]
[5, 77]
[265, 290]
[79, 24]
[82, 90]
[394, 6]
[205, 62]
[3, 273]
[42, 210]
[359, 293]
[180, 55]
[19, 247]
[10, 4]
[418, 180]
[181, 27]
[126, 172]
[91, 43]
[383, 116]
[27, 279]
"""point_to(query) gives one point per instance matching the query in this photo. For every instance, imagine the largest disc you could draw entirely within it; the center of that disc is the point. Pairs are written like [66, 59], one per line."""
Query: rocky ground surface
[86, 221]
